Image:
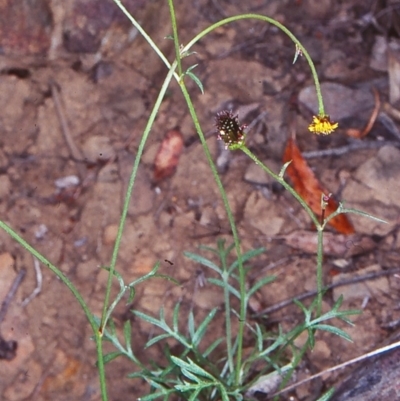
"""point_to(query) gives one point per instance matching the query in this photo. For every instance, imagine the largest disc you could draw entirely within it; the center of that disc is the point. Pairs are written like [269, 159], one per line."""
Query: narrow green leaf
[261, 283]
[128, 334]
[259, 338]
[191, 326]
[334, 330]
[220, 283]
[359, 212]
[175, 318]
[203, 261]
[132, 293]
[153, 396]
[195, 77]
[150, 319]
[246, 257]
[327, 396]
[191, 376]
[212, 347]
[111, 327]
[112, 355]
[191, 367]
[209, 249]
[198, 335]
[311, 337]
[306, 312]
[195, 394]
[157, 339]
[224, 394]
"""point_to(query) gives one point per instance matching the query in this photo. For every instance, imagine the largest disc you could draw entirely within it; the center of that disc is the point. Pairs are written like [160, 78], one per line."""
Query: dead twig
[11, 293]
[8, 349]
[340, 366]
[359, 145]
[309, 294]
[357, 133]
[74, 150]
[39, 280]
[389, 124]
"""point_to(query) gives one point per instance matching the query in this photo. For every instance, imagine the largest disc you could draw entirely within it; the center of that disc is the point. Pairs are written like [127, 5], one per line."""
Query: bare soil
[85, 61]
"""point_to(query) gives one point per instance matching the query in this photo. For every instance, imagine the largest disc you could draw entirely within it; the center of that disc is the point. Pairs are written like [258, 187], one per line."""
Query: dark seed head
[229, 129]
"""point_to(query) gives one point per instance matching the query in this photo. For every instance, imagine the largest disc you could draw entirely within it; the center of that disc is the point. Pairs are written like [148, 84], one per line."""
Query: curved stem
[76, 294]
[321, 109]
[314, 218]
[129, 193]
[281, 181]
[235, 235]
[148, 39]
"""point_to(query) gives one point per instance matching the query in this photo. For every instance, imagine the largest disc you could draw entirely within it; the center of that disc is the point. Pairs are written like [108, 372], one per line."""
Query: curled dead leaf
[308, 187]
[168, 154]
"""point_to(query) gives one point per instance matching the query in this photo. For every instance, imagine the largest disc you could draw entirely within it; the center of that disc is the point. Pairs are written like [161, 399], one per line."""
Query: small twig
[349, 148]
[389, 124]
[39, 280]
[11, 293]
[255, 121]
[308, 294]
[39, 384]
[74, 150]
[340, 366]
[357, 133]
[219, 8]
[270, 266]
[391, 111]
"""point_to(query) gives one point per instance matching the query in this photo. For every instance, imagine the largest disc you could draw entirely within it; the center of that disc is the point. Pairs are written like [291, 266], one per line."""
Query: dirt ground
[80, 67]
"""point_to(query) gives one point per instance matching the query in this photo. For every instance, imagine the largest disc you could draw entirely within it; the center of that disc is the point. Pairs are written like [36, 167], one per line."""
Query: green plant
[197, 373]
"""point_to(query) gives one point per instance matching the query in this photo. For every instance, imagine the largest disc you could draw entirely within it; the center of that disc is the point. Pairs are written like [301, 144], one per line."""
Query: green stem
[129, 193]
[313, 217]
[281, 181]
[235, 235]
[227, 303]
[175, 36]
[148, 39]
[320, 255]
[76, 294]
[321, 109]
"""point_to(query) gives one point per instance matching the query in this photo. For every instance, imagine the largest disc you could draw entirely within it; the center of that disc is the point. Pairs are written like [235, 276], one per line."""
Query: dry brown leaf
[168, 154]
[308, 187]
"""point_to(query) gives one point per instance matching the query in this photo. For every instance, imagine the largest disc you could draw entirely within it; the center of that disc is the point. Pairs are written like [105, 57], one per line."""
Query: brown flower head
[229, 129]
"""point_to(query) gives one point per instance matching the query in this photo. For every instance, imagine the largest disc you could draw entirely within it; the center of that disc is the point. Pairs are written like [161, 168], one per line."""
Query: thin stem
[314, 218]
[228, 326]
[76, 294]
[148, 39]
[321, 109]
[242, 314]
[175, 35]
[320, 255]
[281, 181]
[129, 193]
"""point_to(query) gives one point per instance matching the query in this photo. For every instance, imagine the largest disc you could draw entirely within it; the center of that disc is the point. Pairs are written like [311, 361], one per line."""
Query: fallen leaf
[337, 245]
[168, 154]
[308, 187]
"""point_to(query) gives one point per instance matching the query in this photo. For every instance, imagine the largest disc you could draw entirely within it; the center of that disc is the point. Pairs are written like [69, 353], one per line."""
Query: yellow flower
[322, 124]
